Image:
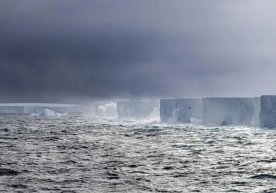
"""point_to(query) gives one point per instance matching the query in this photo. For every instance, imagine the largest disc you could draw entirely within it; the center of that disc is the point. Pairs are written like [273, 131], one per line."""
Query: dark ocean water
[77, 154]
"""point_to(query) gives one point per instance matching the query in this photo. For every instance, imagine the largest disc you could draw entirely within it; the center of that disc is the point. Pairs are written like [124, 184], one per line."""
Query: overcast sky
[63, 49]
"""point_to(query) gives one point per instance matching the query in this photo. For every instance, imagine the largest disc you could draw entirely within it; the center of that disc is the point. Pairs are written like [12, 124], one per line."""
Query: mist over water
[83, 154]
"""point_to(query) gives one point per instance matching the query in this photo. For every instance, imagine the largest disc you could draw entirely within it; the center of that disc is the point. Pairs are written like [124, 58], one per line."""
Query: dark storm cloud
[57, 49]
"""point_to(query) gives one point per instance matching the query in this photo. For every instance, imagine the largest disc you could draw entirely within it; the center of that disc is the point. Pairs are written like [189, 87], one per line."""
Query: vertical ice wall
[33, 108]
[29, 108]
[136, 109]
[70, 109]
[10, 109]
[229, 111]
[268, 111]
[180, 110]
[257, 109]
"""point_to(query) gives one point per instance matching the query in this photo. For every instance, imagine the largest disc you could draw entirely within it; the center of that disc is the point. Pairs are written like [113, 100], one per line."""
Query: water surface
[81, 154]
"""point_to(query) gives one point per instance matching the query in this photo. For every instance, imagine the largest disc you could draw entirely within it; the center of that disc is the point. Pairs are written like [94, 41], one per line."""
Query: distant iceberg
[48, 113]
[38, 108]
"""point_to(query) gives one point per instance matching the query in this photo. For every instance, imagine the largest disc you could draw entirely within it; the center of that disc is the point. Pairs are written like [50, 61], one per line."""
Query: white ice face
[230, 111]
[11, 109]
[268, 111]
[180, 110]
[38, 108]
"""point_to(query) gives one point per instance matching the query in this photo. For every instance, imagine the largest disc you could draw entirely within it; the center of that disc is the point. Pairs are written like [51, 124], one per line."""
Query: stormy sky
[57, 50]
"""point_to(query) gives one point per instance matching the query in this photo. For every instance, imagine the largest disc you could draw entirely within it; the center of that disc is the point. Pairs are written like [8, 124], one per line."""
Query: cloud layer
[59, 49]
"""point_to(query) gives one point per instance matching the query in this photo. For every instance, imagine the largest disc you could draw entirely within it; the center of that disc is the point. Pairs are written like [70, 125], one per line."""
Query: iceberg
[136, 110]
[230, 111]
[32, 108]
[268, 111]
[180, 110]
[11, 109]
[256, 113]
[48, 113]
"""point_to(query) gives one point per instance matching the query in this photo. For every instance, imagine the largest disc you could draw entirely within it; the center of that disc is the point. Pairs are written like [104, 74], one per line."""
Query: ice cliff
[180, 110]
[31, 108]
[268, 111]
[230, 111]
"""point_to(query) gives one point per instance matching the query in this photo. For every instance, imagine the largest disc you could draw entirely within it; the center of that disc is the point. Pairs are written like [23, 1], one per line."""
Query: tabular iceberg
[268, 111]
[31, 108]
[230, 111]
[256, 114]
[48, 113]
[10, 109]
[180, 110]
[136, 110]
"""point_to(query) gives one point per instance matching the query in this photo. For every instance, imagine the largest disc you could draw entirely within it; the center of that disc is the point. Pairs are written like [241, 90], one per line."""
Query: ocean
[85, 154]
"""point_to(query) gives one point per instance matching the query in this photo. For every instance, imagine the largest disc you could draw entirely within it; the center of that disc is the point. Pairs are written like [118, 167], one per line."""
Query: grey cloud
[56, 49]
